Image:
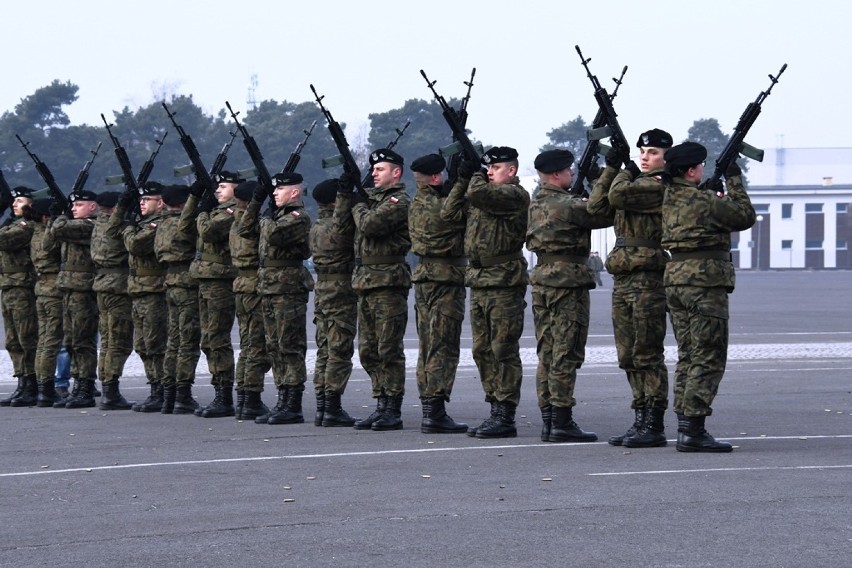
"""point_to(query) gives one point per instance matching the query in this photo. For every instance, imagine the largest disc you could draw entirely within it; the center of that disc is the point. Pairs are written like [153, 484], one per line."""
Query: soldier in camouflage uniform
[633, 198]
[496, 207]
[381, 279]
[697, 225]
[332, 244]
[253, 362]
[115, 309]
[80, 304]
[147, 288]
[439, 293]
[560, 232]
[284, 285]
[174, 244]
[215, 274]
[17, 282]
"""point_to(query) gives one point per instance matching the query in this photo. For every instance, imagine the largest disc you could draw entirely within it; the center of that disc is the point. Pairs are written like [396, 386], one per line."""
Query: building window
[811, 245]
[735, 244]
[813, 207]
[786, 210]
[841, 245]
[786, 245]
[761, 208]
[842, 208]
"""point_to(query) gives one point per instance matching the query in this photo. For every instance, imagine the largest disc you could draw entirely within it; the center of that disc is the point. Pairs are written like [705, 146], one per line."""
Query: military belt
[450, 260]
[15, 269]
[575, 258]
[340, 277]
[248, 272]
[178, 268]
[113, 270]
[76, 268]
[280, 263]
[217, 258]
[147, 272]
[370, 260]
[489, 261]
[342, 269]
[701, 255]
[636, 242]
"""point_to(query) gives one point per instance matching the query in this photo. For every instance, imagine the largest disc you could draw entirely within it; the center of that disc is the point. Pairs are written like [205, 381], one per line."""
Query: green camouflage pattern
[285, 320]
[147, 273]
[382, 319]
[108, 252]
[439, 312]
[253, 361]
[183, 335]
[213, 256]
[46, 255]
[433, 236]
[115, 325]
[16, 267]
[18, 304]
[497, 323]
[150, 316]
[77, 270]
[217, 310]
[80, 326]
[174, 244]
[49, 312]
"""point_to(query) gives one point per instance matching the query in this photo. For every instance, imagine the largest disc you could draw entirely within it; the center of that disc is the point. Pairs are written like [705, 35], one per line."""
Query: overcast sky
[687, 60]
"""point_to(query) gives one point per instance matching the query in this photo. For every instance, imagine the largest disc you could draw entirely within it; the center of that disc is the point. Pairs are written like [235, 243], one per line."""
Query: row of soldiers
[176, 279]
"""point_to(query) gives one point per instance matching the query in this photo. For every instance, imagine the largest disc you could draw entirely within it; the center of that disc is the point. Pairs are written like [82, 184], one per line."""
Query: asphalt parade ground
[95, 488]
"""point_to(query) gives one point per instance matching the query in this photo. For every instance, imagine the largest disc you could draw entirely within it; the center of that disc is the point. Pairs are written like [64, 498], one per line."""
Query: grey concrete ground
[122, 488]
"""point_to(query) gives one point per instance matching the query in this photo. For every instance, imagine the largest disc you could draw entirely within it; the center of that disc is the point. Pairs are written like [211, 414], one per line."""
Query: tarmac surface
[130, 489]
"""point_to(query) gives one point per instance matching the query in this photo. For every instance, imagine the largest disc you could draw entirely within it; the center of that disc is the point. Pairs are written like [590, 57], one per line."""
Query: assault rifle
[454, 150]
[47, 176]
[610, 119]
[345, 157]
[296, 154]
[367, 181]
[83, 176]
[253, 151]
[590, 154]
[736, 143]
[455, 122]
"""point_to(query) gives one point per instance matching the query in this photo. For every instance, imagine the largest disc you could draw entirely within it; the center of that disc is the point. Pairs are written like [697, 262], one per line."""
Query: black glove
[197, 188]
[261, 192]
[346, 183]
[55, 210]
[594, 172]
[358, 198]
[467, 168]
[126, 198]
[733, 170]
[715, 186]
[631, 167]
[613, 158]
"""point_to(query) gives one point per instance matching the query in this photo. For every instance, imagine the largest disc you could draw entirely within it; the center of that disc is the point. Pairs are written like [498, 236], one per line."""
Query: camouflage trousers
[497, 323]
[184, 336]
[639, 324]
[115, 325]
[49, 309]
[382, 319]
[19, 319]
[439, 312]
[253, 362]
[700, 321]
[561, 318]
[285, 321]
[217, 310]
[80, 325]
[150, 317]
[336, 322]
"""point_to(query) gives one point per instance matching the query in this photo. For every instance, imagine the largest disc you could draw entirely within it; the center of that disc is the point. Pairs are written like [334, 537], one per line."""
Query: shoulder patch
[393, 200]
[229, 211]
[295, 213]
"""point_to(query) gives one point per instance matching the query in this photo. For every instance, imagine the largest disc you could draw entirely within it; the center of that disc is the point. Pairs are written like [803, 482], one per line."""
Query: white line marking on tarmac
[714, 469]
[408, 451]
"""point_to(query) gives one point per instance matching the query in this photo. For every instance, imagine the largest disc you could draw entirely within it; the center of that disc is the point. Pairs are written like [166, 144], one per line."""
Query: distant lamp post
[759, 220]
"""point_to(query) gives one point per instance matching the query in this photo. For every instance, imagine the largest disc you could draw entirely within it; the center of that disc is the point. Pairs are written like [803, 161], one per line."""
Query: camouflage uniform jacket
[174, 245]
[45, 254]
[109, 254]
[496, 226]
[699, 220]
[332, 240]
[212, 255]
[245, 255]
[77, 270]
[560, 224]
[636, 209]
[381, 236]
[16, 267]
[147, 274]
[283, 248]
[433, 236]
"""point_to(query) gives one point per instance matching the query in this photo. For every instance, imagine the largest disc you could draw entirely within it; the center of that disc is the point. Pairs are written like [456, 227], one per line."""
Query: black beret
[108, 198]
[685, 155]
[40, 207]
[499, 154]
[227, 177]
[385, 155]
[325, 192]
[175, 194]
[655, 138]
[151, 188]
[245, 191]
[22, 191]
[83, 195]
[287, 178]
[429, 165]
[551, 161]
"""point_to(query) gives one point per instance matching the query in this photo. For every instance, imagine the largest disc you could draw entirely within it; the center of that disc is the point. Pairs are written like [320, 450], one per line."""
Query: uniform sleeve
[496, 199]
[454, 206]
[15, 237]
[341, 219]
[248, 226]
[215, 227]
[292, 228]
[139, 242]
[386, 219]
[599, 199]
[72, 230]
[189, 215]
[644, 194]
[734, 211]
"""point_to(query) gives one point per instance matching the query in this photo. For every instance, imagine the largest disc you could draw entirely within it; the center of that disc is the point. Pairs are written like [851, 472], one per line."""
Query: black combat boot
[696, 439]
[292, 413]
[318, 417]
[15, 393]
[682, 422]
[169, 395]
[564, 429]
[222, 404]
[112, 399]
[61, 392]
[638, 422]
[78, 383]
[252, 406]
[238, 404]
[47, 395]
[29, 393]
[653, 431]
[85, 397]
[154, 402]
[391, 418]
[152, 396]
[436, 420]
[485, 423]
[334, 415]
[185, 403]
[280, 406]
[501, 425]
[546, 422]
[367, 423]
